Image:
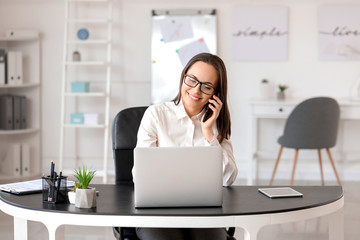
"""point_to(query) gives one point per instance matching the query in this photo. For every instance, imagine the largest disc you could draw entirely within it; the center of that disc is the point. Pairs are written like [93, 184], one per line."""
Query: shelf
[100, 20]
[91, 94]
[88, 1]
[22, 147]
[19, 131]
[17, 39]
[130, 82]
[100, 41]
[24, 85]
[83, 126]
[78, 15]
[4, 178]
[86, 63]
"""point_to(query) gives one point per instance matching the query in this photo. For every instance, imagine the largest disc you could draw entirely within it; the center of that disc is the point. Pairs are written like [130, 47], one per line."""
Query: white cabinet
[20, 149]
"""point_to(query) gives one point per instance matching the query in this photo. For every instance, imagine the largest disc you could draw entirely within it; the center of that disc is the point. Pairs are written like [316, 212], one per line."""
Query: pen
[52, 169]
[58, 186]
[51, 186]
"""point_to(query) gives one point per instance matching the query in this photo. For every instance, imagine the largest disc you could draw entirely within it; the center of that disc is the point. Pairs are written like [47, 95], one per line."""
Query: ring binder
[3, 79]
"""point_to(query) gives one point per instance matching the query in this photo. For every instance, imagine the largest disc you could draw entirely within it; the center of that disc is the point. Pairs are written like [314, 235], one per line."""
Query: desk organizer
[80, 87]
[53, 190]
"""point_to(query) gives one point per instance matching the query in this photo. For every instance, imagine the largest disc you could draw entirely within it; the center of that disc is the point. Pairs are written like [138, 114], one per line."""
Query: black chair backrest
[313, 124]
[124, 138]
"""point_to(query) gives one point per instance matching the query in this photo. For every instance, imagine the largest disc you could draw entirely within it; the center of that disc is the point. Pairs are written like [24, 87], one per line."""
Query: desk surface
[237, 200]
[243, 206]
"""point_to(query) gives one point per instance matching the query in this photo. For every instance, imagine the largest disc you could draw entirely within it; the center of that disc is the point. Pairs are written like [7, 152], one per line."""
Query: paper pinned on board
[176, 29]
[189, 50]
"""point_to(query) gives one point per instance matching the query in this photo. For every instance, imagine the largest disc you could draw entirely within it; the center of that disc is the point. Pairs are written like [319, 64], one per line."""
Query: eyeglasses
[204, 87]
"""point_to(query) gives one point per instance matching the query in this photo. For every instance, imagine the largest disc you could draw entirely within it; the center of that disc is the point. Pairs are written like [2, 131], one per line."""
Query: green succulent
[282, 88]
[84, 176]
[77, 185]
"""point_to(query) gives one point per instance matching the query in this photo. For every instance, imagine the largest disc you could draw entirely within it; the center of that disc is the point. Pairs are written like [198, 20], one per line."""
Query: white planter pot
[85, 198]
[281, 95]
[265, 90]
[72, 197]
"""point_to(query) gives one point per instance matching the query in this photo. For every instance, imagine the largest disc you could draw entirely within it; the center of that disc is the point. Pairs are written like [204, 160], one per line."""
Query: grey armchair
[313, 124]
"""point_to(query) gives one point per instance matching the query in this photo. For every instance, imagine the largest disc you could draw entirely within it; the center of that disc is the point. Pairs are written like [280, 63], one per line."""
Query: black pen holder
[54, 190]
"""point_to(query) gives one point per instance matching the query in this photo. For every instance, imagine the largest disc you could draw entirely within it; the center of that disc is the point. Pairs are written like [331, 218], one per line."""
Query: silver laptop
[178, 177]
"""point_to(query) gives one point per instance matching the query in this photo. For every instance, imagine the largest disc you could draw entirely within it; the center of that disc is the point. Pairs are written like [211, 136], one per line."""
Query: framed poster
[260, 33]
[339, 32]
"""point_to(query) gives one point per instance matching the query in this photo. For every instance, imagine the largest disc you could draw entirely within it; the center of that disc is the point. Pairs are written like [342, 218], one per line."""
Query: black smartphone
[208, 112]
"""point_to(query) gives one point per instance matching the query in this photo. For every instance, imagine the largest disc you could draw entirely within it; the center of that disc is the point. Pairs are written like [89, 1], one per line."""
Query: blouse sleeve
[147, 133]
[230, 170]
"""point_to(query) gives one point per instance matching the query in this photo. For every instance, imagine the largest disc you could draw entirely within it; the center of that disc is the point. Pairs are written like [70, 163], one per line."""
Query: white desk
[275, 109]
[243, 206]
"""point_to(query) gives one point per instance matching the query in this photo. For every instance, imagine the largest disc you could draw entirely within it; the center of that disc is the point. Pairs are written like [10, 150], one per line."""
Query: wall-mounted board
[178, 35]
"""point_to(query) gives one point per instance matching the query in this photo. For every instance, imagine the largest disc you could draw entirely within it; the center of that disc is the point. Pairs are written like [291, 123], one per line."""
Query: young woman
[182, 122]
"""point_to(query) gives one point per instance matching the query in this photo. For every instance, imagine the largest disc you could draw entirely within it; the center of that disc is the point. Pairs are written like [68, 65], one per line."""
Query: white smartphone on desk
[280, 192]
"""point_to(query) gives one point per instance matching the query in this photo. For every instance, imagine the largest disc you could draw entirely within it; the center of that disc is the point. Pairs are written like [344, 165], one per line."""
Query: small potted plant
[85, 197]
[281, 93]
[72, 193]
[265, 89]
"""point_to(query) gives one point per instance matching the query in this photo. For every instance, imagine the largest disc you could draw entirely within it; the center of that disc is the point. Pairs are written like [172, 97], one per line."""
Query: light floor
[315, 229]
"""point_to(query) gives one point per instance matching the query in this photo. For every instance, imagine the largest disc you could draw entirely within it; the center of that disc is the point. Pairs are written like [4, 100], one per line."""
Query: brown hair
[223, 122]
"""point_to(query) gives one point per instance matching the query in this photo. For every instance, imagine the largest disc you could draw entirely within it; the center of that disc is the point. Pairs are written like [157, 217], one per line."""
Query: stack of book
[13, 112]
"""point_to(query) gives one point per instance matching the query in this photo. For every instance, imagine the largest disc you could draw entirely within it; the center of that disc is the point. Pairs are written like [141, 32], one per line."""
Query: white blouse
[168, 125]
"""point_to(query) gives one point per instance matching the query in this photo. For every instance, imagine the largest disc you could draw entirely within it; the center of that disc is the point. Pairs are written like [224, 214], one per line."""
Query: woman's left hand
[215, 105]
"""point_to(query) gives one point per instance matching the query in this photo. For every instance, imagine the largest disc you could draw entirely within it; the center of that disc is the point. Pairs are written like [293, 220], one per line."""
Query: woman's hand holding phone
[215, 106]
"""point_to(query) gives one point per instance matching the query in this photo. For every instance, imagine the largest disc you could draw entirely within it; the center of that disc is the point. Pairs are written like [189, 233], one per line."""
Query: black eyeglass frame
[201, 84]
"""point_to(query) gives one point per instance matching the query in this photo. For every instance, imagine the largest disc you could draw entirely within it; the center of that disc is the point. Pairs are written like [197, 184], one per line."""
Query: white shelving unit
[31, 88]
[94, 67]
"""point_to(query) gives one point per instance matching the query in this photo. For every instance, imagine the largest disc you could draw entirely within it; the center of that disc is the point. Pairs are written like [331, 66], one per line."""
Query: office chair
[124, 137]
[313, 124]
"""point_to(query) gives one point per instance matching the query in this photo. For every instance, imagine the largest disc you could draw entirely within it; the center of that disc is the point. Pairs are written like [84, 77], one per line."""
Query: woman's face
[192, 98]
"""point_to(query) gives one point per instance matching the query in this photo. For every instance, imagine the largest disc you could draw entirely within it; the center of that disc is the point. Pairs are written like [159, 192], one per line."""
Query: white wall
[303, 72]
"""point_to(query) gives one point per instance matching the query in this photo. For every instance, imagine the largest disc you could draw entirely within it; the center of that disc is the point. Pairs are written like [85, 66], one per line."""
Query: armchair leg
[333, 165]
[321, 168]
[294, 166]
[276, 165]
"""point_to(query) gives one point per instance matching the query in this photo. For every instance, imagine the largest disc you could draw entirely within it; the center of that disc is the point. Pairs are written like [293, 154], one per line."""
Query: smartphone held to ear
[208, 112]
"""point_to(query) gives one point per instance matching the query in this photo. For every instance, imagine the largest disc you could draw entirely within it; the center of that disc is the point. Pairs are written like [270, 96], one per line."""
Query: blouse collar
[181, 113]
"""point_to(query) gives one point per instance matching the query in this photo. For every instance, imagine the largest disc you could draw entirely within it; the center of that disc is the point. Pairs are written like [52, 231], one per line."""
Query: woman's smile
[193, 97]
